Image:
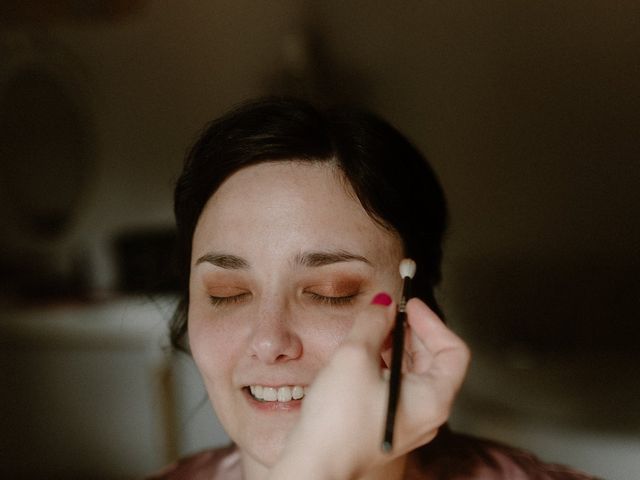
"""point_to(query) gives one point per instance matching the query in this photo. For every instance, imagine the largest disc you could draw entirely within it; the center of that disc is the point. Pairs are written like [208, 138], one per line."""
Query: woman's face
[284, 255]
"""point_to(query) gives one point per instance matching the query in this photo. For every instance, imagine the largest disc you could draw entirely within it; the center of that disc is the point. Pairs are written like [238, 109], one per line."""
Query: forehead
[289, 204]
[292, 181]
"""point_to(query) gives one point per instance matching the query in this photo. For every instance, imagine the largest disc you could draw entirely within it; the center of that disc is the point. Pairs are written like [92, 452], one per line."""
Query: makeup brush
[407, 271]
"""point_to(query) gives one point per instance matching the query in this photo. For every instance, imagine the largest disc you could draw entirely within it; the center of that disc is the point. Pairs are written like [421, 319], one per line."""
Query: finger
[429, 328]
[448, 354]
[407, 357]
[385, 357]
[373, 324]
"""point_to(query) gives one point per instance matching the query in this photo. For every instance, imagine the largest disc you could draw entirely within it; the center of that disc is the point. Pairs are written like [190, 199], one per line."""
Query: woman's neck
[254, 470]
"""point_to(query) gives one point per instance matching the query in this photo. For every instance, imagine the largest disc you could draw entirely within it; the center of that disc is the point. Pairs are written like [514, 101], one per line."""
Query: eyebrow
[306, 259]
[320, 259]
[223, 260]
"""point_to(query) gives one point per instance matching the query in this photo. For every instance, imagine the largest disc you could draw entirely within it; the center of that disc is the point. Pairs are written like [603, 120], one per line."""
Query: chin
[259, 435]
[265, 449]
[265, 445]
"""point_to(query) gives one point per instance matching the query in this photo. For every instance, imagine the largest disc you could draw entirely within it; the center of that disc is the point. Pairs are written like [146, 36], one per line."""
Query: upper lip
[273, 379]
[277, 384]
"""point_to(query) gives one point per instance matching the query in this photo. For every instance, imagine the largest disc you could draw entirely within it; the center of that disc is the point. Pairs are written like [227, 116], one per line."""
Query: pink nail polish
[382, 299]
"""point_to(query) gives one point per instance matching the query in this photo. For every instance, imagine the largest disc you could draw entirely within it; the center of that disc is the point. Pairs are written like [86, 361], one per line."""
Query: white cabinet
[93, 391]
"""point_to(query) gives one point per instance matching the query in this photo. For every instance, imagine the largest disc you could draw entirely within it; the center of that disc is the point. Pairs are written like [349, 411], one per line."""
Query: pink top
[449, 457]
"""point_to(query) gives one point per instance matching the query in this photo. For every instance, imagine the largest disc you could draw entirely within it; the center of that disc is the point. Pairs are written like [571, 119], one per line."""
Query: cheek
[214, 344]
[324, 333]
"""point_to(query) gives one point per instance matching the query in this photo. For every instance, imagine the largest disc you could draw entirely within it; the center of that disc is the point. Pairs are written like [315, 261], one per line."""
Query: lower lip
[293, 405]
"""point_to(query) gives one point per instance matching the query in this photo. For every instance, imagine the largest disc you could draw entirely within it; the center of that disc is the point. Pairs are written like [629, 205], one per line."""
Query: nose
[273, 340]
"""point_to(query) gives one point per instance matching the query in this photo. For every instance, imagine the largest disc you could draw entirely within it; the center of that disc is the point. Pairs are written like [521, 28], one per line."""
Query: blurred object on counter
[146, 261]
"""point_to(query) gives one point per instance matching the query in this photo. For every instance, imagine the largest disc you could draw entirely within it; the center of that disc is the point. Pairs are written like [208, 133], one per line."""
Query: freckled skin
[278, 333]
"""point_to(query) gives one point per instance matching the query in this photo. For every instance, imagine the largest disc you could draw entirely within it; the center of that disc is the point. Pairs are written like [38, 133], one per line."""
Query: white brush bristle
[407, 268]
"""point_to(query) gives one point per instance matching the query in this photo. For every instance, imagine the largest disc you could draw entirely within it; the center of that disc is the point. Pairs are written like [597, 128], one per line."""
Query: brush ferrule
[402, 306]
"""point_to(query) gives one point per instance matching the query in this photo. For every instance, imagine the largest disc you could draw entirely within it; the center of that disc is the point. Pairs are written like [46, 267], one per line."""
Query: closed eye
[230, 300]
[332, 301]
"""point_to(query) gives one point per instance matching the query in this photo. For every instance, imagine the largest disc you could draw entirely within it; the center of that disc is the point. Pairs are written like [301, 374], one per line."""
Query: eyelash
[220, 301]
[333, 301]
[321, 299]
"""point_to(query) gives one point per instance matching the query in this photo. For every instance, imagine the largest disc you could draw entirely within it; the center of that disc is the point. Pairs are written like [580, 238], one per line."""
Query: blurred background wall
[527, 110]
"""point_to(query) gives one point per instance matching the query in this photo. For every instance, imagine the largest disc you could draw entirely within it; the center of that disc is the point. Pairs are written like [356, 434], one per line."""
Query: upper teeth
[280, 394]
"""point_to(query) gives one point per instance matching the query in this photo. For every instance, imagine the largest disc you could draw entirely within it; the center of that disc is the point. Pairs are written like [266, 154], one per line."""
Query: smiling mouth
[276, 394]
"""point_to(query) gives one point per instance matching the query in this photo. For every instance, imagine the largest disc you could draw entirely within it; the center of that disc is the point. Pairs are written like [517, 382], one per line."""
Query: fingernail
[382, 299]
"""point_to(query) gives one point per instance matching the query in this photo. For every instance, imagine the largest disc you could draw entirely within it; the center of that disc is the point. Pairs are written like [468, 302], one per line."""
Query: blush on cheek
[207, 335]
[215, 351]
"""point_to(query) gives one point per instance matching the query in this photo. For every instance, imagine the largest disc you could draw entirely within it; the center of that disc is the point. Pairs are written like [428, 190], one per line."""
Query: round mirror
[45, 149]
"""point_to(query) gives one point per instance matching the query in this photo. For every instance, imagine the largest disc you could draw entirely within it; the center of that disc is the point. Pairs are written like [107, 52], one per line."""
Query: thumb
[373, 324]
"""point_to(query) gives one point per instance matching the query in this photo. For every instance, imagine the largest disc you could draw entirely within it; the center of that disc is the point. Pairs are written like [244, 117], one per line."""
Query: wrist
[301, 460]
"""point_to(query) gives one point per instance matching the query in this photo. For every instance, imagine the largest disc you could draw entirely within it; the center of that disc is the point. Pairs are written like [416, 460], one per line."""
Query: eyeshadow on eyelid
[223, 291]
[222, 279]
[337, 288]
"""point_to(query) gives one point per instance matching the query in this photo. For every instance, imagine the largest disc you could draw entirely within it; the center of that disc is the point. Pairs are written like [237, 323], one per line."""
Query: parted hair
[390, 177]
